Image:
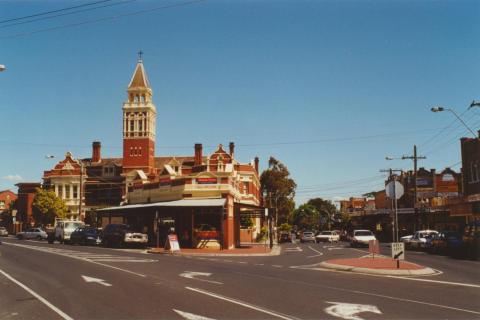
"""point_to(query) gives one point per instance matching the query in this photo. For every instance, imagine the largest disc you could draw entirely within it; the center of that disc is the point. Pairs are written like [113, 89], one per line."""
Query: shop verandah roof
[175, 203]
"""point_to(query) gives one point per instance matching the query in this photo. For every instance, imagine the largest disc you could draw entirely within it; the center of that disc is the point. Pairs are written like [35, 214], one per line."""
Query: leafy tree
[47, 206]
[326, 210]
[306, 217]
[285, 227]
[278, 189]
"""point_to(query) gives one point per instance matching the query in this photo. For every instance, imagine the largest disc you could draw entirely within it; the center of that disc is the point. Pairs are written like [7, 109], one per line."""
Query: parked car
[119, 235]
[442, 242]
[85, 236]
[63, 230]
[406, 239]
[419, 239]
[284, 237]
[327, 236]
[307, 236]
[3, 232]
[361, 238]
[32, 233]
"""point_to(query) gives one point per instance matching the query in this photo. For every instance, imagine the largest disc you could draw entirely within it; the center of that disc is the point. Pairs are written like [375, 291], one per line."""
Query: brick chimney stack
[256, 164]
[96, 151]
[198, 154]
[232, 149]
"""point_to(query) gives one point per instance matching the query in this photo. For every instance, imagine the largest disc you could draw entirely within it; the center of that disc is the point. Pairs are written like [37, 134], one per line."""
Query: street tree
[47, 206]
[306, 217]
[326, 210]
[278, 189]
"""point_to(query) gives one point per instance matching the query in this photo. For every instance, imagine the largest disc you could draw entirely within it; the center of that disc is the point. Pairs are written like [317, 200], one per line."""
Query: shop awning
[175, 203]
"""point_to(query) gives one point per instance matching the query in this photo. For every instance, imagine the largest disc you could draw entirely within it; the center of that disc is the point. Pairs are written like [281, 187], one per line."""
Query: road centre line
[78, 258]
[36, 295]
[243, 304]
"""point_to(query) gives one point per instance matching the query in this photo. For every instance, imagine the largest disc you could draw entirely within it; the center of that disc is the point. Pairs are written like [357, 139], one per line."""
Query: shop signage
[473, 197]
[206, 180]
[172, 243]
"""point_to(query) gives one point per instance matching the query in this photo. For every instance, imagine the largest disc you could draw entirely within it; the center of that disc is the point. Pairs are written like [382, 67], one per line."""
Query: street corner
[378, 266]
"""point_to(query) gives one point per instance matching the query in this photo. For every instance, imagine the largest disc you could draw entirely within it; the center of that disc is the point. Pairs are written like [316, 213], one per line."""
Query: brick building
[201, 196]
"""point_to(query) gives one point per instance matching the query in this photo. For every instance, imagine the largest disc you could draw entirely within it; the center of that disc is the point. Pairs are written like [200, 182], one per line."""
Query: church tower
[139, 118]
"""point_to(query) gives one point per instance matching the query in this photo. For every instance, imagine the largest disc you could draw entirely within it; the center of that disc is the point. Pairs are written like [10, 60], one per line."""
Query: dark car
[443, 242]
[284, 237]
[85, 236]
[120, 235]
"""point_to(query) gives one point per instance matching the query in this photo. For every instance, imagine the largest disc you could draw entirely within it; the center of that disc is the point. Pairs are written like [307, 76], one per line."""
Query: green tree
[306, 217]
[47, 206]
[326, 210]
[278, 189]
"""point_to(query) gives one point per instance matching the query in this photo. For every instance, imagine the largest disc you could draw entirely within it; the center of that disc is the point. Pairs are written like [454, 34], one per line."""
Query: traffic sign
[398, 250]
[394, 190]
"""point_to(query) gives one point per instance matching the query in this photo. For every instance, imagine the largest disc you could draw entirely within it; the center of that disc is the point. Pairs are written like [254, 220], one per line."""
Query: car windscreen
[363, 233]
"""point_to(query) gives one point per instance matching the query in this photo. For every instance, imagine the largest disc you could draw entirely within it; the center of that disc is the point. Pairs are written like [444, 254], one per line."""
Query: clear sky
[328, 87]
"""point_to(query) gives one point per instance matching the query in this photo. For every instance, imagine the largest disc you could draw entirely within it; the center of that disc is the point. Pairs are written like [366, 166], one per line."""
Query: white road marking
[277, 266]
[293, 249]
[191, 316]
[242, 262]
[438, 281]
[349, 311]
[194, 274]
[315, 250]
[36, 295]
[243, 304]
[96, 280]
[61, 253]
[259, 264]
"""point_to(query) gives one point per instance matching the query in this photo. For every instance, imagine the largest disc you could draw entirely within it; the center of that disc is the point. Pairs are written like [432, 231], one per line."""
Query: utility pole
[415, 158]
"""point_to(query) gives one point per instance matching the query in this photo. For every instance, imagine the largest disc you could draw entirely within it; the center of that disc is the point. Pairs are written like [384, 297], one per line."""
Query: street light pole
[440, 109]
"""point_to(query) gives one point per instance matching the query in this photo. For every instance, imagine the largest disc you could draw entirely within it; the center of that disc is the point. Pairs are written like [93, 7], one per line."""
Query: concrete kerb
[392, 272]
[274, 252]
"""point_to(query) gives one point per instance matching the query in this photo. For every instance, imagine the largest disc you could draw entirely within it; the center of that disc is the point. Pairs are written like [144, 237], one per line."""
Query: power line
[66, 14]
[170, 6]
[54, 11]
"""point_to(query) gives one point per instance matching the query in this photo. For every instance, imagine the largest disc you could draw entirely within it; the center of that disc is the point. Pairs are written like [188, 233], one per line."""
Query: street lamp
[441, 109]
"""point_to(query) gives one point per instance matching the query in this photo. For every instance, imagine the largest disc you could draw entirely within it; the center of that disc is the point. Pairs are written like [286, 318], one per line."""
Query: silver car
[308, 236]
[32, 233]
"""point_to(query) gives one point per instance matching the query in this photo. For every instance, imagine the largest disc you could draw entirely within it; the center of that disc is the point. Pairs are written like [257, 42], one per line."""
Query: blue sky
[328, 87]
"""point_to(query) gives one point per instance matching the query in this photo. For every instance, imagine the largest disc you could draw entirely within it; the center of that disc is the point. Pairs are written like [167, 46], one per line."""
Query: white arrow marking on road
[193, 274]
[191, 316]
[100, 281]
[349, 311]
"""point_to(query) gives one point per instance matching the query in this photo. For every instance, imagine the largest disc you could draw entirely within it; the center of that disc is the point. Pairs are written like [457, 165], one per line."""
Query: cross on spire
[140, 54]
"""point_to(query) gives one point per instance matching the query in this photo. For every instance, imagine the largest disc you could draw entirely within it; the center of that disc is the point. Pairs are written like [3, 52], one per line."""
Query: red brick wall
[144, 161]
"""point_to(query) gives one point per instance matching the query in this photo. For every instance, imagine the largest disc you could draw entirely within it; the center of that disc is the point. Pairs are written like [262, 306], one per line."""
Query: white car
[419, 238]
[3, 232]
[64, 229]
[361, 238]
[32, 233]
[330, 236]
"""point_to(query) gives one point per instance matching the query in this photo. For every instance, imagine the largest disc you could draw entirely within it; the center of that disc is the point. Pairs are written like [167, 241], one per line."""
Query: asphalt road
[42, 281]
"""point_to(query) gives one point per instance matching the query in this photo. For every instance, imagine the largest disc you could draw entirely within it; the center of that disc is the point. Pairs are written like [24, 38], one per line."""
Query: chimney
[96, 147]
[256, 164]
[198, 154]
[232, 149]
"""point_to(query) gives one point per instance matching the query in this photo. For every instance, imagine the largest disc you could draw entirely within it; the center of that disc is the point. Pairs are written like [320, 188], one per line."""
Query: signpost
[394, 190]
[398, 252]
[374, 247]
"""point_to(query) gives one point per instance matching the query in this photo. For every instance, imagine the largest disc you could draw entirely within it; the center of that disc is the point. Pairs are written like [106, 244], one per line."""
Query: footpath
[244, 250]
[378, 265]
